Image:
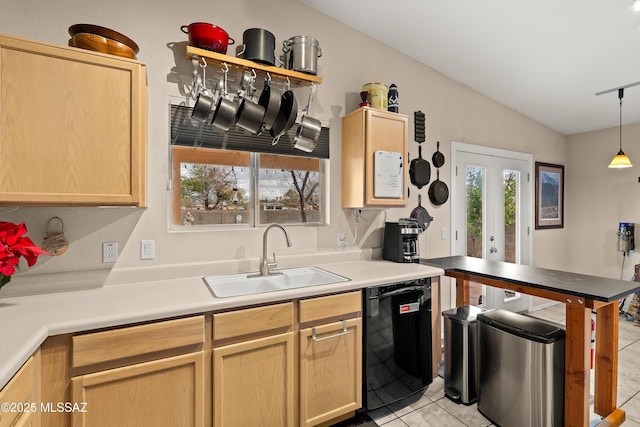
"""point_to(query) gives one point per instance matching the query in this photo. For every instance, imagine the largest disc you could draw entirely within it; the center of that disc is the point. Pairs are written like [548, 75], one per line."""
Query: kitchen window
[214, 187]
[288, 190]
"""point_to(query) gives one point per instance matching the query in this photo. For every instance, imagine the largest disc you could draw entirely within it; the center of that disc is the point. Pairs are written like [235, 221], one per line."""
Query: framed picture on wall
[549, 195]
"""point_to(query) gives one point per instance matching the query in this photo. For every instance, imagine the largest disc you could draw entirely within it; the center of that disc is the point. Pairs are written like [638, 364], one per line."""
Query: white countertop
[25, 322]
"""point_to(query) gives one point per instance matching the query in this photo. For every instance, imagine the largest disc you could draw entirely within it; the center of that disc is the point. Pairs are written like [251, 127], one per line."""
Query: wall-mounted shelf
[234, 62]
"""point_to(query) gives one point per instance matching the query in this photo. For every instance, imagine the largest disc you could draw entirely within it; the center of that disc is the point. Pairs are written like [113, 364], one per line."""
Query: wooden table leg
[577, 365]
[462, 292]
[606, 360]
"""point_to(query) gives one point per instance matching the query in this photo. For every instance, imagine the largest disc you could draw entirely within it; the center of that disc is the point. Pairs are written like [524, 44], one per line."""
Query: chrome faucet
[265, 265]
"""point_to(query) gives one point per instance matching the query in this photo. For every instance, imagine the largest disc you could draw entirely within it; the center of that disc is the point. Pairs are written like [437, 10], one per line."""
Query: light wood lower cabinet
[330, 371]
[257, 366]
[253, 383]
[253, 367]
[29, 419]
[167, 392]
[260, 380]
[22, 394]
[151, 374]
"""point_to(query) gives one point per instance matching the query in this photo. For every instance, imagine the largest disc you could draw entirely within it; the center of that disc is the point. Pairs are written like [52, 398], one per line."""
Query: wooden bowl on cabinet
[102, 44]
[104, 32]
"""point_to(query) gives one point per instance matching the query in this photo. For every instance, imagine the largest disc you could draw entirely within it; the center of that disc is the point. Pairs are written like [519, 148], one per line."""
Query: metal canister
[378, 95]
[258, 45]
[301, 54]
[626, 236]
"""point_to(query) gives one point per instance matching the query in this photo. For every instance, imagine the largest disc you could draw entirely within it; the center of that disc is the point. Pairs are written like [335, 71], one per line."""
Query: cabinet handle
[345, 331]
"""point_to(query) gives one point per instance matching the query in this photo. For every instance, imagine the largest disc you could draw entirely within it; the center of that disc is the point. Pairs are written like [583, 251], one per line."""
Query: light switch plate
[147, 249]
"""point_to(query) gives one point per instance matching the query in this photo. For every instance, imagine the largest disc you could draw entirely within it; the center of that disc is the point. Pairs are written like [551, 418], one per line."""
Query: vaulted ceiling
[545, 59]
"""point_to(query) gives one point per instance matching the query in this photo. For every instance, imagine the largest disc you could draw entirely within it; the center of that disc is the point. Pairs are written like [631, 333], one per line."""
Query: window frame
[183, 154]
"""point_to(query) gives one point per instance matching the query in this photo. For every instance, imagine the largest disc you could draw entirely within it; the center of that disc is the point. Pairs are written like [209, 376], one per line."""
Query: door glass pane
[475, 202]
[475, 180]
[510, 186]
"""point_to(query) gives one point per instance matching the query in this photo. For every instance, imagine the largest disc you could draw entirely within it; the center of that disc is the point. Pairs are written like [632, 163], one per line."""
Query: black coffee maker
[401, 240]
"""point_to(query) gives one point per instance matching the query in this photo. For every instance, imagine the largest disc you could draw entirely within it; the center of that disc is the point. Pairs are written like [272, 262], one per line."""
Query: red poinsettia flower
[13, 245]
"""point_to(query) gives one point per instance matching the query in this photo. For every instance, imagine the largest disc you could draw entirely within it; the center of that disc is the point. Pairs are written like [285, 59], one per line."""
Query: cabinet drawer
[21, 392]
[136, 340]
[252, 321]
[330, 306]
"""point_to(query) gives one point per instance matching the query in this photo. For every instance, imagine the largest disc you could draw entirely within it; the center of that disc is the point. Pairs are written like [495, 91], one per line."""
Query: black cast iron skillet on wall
[438, 158]
[438, 191]
[420, 170]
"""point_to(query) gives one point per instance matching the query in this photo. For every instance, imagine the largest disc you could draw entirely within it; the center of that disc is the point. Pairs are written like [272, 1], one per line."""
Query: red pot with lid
[207, 36]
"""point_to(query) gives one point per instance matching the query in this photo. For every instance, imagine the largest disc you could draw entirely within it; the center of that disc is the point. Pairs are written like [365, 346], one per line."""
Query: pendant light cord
[620, 96]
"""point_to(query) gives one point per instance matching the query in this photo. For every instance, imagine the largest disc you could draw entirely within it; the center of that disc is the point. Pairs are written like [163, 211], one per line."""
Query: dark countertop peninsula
[579, 285]
[581, 294]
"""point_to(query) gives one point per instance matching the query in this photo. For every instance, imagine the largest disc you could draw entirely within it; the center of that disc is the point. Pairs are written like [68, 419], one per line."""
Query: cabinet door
[253, 383]
[162, 393]
[72, 126]
[330, 371]
[22, 390]
[28, 419]
[385, 132]
[364, 132]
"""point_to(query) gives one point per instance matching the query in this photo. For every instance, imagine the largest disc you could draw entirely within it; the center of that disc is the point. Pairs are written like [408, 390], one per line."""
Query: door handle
[344, 331]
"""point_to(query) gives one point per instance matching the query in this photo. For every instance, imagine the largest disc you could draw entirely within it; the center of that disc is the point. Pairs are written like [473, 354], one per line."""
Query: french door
[491, 214]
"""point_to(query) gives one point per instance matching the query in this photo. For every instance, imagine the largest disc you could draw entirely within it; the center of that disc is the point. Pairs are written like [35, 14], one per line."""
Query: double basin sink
[231, 285]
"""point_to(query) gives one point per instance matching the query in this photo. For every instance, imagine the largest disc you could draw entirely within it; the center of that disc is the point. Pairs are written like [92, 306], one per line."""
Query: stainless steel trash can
[520, 370]
[460, 348]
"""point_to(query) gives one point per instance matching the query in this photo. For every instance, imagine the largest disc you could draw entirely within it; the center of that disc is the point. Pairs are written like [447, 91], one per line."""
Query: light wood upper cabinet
[364, 132]
[73, 126]
[23, 391]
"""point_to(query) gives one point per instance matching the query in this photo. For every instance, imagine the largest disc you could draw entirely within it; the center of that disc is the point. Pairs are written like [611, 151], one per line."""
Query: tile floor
[431, 408]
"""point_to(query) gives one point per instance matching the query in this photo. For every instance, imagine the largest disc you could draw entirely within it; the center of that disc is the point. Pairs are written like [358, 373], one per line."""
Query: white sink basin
[231, 285]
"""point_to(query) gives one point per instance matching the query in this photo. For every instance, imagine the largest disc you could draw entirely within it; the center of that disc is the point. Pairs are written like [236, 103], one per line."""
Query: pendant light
[620, 160]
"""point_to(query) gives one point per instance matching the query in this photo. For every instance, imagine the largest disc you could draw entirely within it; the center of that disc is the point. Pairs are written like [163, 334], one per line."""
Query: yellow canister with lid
[378, 93]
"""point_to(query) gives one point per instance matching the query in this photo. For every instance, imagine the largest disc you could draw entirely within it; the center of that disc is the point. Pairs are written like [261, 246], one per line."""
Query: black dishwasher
[397, 341]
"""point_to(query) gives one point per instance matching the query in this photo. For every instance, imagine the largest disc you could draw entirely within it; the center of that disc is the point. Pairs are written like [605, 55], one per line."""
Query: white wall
[454, 112]
[600, 198]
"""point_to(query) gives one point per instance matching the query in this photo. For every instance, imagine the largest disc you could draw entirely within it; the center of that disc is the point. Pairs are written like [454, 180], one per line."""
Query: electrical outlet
[110, 252]
[443, 233]
[147, 249]
[342, 242]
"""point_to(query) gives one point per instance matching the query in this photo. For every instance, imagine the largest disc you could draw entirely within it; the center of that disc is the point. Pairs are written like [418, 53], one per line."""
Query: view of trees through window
[216, 188]
[475, 188]
[215, 194]
[289, 196]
